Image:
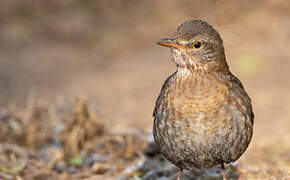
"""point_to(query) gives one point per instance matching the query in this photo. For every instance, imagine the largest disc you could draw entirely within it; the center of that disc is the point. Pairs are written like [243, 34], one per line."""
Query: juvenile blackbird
[203, 116]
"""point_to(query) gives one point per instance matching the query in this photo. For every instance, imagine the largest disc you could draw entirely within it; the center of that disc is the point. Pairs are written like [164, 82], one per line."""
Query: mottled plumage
[203, 116]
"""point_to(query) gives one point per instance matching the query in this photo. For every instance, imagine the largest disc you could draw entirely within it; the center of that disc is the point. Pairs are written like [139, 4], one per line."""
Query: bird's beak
[169, 42]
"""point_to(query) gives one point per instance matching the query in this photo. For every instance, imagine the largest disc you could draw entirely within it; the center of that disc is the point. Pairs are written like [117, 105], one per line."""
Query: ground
[79, 83]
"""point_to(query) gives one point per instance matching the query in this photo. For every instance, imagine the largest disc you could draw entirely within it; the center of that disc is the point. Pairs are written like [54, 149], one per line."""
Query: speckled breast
[202, 123]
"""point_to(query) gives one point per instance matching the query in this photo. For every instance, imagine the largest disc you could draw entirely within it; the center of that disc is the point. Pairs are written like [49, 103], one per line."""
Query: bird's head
[196, 46]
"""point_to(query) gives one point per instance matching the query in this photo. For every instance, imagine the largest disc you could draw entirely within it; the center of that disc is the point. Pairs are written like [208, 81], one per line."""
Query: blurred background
[106, 51]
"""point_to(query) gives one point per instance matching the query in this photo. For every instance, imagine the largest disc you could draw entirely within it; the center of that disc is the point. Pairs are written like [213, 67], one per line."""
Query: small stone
[96, 158]
[100, 168]
[72, 170]
[59, 166]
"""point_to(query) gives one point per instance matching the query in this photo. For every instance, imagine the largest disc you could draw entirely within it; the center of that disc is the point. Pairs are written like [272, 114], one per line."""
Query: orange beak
[169, 42]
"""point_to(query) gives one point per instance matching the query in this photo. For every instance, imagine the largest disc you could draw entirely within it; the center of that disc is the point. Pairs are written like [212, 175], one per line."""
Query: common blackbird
[203, 116]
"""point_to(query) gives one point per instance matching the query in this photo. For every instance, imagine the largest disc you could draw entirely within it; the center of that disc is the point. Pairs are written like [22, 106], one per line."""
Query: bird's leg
[224, 172]
[179, 174]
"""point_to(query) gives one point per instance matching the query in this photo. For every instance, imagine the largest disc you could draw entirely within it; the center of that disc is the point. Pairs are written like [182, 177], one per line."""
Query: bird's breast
[195, 97]
[201, 122]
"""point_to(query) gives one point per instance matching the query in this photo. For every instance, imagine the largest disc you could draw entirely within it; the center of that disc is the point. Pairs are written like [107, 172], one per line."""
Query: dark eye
[196, 45]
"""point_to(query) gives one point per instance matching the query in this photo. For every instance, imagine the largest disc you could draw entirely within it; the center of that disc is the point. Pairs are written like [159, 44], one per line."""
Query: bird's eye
[196, 45]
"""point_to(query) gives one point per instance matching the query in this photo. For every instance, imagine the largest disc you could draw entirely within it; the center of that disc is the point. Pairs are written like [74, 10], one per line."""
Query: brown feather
[203, 116]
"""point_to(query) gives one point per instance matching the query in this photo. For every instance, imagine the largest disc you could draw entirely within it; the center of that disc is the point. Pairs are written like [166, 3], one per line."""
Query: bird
[203, 116]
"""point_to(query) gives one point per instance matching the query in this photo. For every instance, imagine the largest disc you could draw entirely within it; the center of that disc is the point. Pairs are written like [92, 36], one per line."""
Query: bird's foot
[179, 174]
[224, 172]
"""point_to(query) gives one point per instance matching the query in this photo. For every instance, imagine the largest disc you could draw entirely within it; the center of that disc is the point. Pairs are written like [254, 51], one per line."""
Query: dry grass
[60, 141]
[68, 140]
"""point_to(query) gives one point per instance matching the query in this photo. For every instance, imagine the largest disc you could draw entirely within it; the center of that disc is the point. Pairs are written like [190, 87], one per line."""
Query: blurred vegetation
[248, 64]
[63, 139]
[89, 23]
